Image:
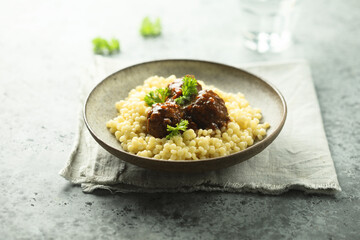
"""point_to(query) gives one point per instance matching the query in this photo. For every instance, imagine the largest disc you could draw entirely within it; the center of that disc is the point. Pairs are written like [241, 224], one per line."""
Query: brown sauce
[206, 111]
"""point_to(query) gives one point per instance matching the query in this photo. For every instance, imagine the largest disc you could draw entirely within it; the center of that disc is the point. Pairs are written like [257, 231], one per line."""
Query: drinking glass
[267, 24]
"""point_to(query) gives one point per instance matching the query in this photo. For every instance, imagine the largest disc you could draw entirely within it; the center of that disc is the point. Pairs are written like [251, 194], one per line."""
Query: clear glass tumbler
[267, 24]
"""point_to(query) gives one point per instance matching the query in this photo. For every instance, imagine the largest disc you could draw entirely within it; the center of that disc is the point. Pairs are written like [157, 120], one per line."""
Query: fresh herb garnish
[182, 126]
[157, 96]
[188, 89]
[104, 47]
[149, 28]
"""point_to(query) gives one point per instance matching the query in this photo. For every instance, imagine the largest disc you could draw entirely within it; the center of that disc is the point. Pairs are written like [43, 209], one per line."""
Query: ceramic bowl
[100, 107]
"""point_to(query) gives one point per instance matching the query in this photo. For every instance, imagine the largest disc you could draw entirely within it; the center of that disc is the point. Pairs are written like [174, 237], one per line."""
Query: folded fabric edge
[66, 172]
[325, 189]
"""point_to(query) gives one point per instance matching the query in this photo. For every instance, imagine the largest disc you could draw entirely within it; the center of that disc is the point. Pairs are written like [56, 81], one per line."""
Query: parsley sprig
[182, 126]
[104, 47]
[157, 96]
[149, 28]
[188, 89]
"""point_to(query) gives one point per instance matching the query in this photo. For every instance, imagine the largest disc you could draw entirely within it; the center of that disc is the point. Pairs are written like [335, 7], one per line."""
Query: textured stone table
[45, 49]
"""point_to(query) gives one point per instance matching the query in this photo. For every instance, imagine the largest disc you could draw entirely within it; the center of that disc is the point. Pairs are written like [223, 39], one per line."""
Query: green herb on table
[188, 90]
[182, 126]
[149, 28]
[157, 96]
[104, 47]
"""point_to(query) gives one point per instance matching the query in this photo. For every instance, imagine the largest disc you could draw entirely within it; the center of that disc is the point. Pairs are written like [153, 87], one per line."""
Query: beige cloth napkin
[298, 159]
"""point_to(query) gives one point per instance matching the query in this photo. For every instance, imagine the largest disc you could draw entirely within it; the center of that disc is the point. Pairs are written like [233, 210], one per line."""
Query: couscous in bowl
[99, 108]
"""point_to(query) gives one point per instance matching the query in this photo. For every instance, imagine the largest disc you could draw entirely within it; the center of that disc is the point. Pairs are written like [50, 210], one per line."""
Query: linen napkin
[298, 159]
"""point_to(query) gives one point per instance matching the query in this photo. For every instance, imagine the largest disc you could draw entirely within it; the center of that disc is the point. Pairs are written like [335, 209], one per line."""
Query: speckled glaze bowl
[100, 107]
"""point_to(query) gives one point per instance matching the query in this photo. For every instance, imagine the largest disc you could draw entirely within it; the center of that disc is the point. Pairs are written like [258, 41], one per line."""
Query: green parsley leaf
[157, 96]
[149, 28]
[188, 89]
[182, 100]
[182, 126]
[104, 47]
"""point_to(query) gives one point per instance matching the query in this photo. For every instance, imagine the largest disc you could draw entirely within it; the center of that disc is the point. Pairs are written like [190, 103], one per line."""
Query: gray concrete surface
[45, 48]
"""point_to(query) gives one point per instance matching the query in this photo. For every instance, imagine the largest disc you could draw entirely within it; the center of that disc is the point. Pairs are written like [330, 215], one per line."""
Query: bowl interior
[100, 105]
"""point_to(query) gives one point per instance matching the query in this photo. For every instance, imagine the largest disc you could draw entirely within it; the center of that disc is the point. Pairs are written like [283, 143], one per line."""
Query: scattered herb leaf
[182, 126]
[149, 28]
[104, 47]
[157, 96]
[188, 89]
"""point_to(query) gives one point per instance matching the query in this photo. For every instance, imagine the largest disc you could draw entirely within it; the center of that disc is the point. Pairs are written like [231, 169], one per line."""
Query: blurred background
[39, 35]
[191, 29]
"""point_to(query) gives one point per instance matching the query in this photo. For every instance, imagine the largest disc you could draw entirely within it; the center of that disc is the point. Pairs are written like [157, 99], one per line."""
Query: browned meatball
[176, 87]
[208, 110]
[161, 115]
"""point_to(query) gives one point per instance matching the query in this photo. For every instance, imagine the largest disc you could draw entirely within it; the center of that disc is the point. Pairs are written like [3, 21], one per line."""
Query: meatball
[161, 115]
[191, 123]
[176, 87]
[208, 110]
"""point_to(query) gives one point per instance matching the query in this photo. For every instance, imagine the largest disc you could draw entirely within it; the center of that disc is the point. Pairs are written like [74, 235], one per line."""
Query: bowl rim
[268, 139]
